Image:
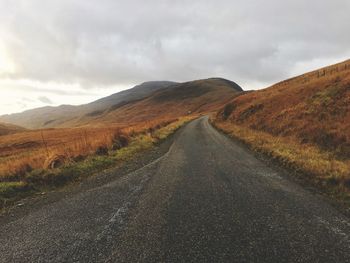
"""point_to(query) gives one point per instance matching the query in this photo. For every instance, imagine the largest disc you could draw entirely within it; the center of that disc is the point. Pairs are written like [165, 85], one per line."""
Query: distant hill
[6, 129]
[310, 108]
[143, 102]
[47, 117]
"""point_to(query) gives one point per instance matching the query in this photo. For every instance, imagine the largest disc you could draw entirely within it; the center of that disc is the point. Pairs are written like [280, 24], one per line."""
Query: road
[208, 199]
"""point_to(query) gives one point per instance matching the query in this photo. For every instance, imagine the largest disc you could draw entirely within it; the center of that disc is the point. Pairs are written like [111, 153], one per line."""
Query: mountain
[313, 108]
[137, 92]
[193, 97]
[47, 117]
[143, 102]
[6, 128]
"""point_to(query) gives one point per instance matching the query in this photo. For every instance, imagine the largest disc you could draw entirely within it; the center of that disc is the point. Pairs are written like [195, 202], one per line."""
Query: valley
[149, 175]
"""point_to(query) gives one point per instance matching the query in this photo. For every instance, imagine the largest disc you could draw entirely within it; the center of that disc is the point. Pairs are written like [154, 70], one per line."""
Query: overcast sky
[75, 51]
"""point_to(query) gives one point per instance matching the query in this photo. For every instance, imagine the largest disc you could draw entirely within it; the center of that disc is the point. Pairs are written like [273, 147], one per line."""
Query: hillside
[145, 102]
[303, 121]
[313, 108]
[48, 117]
[6, 129]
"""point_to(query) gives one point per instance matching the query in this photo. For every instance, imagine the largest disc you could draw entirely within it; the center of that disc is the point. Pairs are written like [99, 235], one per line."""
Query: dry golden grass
[23, 152]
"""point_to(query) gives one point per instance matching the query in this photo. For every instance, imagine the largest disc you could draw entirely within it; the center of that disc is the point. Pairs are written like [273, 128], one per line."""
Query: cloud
[45, 100]
[107, 42]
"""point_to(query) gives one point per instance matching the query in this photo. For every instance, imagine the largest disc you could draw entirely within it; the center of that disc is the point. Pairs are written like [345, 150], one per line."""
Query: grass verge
[309, 162]
[40, 180]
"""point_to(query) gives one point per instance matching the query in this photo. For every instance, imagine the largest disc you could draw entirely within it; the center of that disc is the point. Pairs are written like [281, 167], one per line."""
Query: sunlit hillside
[309, 115]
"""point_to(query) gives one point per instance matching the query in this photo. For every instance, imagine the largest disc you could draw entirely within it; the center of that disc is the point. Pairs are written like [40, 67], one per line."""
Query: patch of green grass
[166, 131]
[326, 98]
[12, 191]
[8, 188]
[138, 144]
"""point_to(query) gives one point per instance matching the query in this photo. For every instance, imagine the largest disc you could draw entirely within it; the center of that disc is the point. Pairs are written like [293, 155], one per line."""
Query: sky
[56, 52]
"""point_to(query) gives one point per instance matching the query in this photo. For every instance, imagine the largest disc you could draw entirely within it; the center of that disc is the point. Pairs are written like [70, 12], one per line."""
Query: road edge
[297, 177]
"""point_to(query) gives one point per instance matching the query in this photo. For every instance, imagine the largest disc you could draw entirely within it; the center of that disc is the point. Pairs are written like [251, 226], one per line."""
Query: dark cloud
[108, 42]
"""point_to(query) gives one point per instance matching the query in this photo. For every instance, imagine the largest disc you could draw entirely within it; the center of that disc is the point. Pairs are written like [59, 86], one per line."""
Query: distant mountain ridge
[144, 101]
[46, 117]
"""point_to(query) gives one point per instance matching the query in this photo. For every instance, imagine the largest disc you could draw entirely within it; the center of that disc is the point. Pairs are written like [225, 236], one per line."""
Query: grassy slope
[303, 122]
[30, 150]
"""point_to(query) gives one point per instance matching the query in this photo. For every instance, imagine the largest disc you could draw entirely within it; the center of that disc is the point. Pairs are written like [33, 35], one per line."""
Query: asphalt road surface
[208, 199]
